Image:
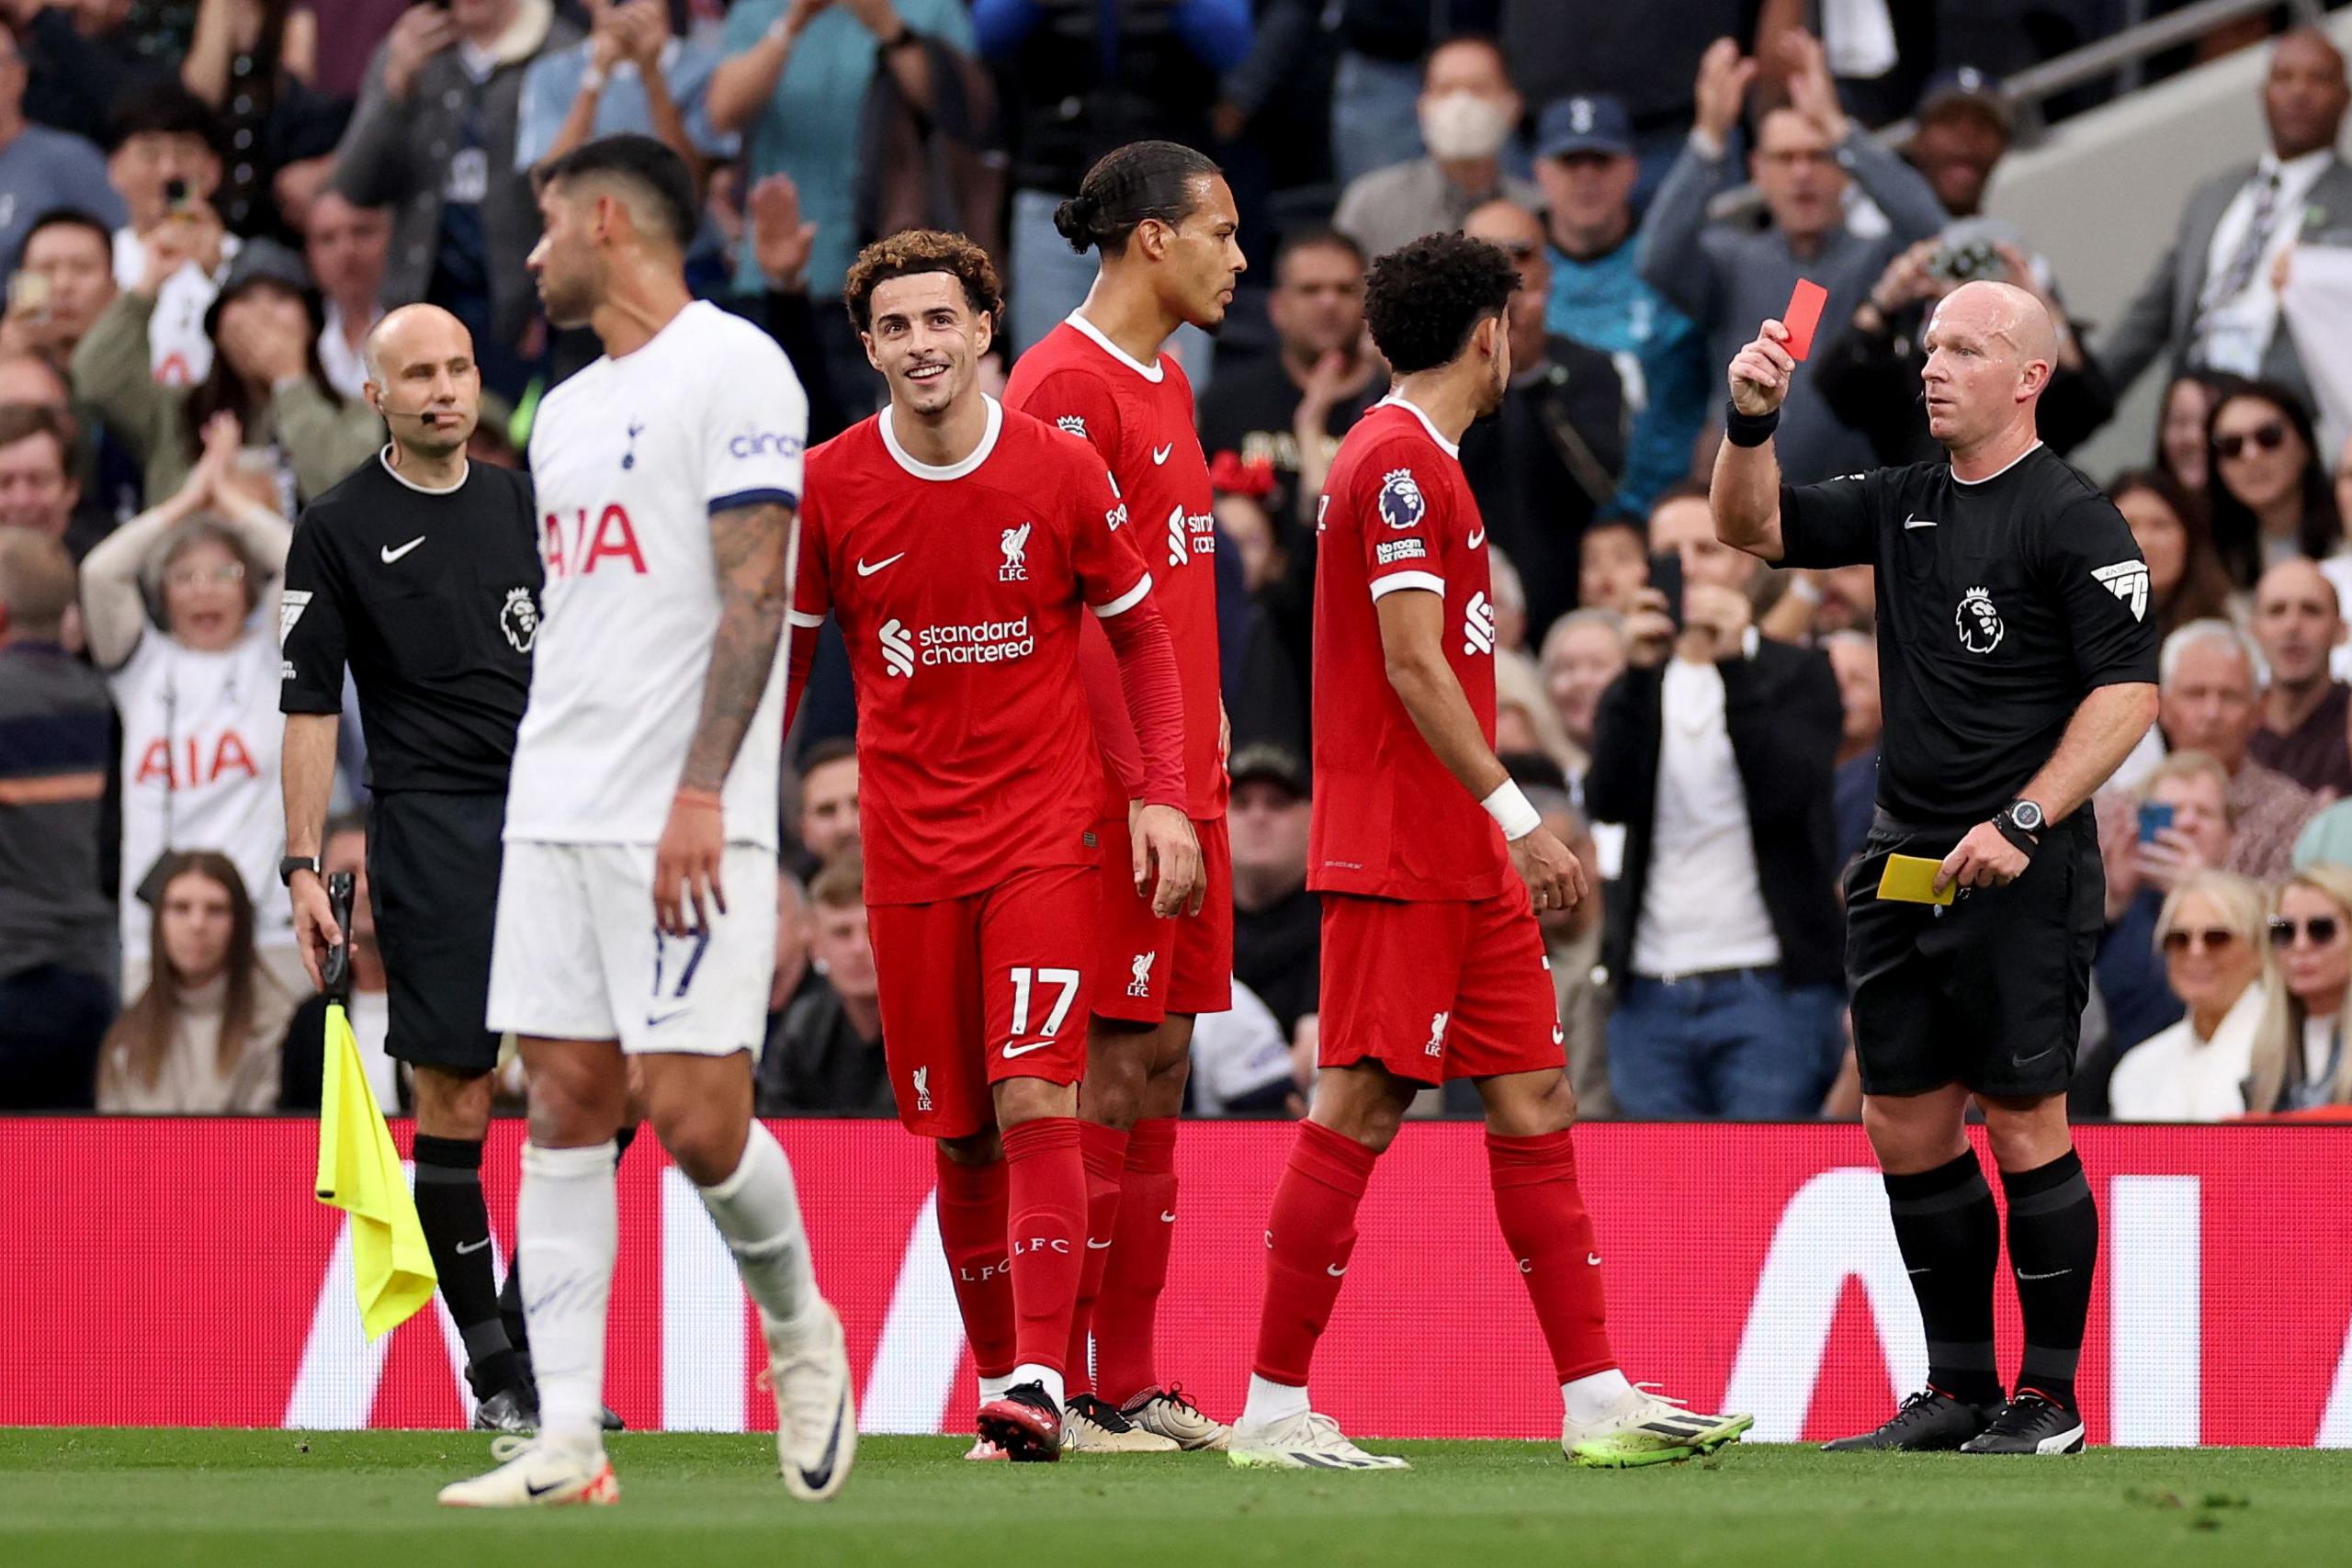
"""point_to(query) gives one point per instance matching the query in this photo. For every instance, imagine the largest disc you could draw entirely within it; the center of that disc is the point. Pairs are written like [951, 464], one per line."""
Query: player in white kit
[636, 910]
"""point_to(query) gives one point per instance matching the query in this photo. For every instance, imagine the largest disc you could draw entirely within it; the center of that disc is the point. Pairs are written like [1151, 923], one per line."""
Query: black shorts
[1987, 992]
[433, 862]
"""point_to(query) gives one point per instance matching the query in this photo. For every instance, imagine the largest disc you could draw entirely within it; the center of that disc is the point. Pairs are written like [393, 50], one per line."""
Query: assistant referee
[421, 572]
[2018, 662]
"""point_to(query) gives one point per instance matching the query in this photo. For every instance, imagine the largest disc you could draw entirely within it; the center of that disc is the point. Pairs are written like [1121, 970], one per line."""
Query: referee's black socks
[457, 1229]
[1951, 1238]
[2053, 1250]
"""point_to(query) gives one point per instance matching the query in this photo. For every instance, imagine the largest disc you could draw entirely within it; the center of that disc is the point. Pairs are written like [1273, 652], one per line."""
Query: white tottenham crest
[519, 619]
[1139, 979]
[1979, 623]
[922, 1089]
[1436, 1032]
[2128, 581]
[1015, 542]
[1478, 625]
[1401, 501]
[897, 648]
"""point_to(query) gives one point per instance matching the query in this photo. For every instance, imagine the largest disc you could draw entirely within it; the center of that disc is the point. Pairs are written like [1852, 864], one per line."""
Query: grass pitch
[114, 1498]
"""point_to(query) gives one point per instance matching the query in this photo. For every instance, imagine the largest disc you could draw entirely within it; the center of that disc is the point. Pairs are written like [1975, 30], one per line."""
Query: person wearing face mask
[198, 694]
[2300, 1062]
[1467, 109]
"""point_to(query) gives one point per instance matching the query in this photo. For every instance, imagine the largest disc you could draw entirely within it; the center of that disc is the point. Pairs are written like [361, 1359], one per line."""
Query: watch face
[2026, 815]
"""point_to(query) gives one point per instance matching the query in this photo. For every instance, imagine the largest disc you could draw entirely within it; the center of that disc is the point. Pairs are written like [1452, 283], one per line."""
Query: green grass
[106, 1498]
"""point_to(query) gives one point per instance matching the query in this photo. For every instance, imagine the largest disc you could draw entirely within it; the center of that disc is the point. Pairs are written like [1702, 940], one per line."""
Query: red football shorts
[981, 988]
[1438, 990]
[1147, 967]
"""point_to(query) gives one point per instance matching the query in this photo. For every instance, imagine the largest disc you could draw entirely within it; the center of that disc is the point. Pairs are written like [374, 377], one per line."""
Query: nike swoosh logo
[655, 1020]
[865, 570]
[816, 1480]
[2052, 1275]
[1477, 537]
[391, 555]
[1918, 522]
[463, 1249]
[1593, 1259]
[1160, 454]
[536, 1490]
[1167, 1217]
[1094, 1246]
[1929, 1269]
[1335, 1269]
[1012, 1051]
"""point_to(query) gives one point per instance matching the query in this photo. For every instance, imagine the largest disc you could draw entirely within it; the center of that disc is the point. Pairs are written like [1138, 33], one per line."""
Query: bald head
[2304, 92]
[2298, 623]
[1990, 347]
[421, 377]
[2006, 311]
[36, 586]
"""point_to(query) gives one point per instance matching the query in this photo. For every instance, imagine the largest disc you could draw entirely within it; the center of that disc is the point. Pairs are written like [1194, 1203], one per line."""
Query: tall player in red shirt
[1163, 220]
[1432, 866]
[961, 545]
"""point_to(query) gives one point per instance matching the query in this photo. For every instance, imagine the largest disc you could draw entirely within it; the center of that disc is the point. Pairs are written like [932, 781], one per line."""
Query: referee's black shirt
[433, 600]
[2002, 603]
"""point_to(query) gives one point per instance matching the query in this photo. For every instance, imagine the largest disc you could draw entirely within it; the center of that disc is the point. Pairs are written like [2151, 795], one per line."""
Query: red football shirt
[960, 591]
[1389, 820]
[1140, 417]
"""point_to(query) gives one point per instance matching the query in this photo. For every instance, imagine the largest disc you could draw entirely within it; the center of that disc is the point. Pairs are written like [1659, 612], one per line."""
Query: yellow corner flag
[359, 1172]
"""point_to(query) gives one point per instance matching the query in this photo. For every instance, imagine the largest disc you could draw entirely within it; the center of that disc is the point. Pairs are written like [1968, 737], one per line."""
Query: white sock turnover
[1588, 1398]
[1273, 1402]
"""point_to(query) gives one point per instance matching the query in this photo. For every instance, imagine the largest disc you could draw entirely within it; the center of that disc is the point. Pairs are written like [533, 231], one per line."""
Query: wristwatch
[292, 863]
[2020, 822]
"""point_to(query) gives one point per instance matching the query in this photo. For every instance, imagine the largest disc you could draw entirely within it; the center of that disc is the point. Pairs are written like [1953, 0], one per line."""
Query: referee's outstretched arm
[1745, 490]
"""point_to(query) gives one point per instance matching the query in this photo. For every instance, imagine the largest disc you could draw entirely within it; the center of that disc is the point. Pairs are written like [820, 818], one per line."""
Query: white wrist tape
[1509, 808]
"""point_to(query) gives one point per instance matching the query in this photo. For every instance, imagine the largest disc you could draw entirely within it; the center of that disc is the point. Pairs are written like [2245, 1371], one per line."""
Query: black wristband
[2016, 835]
[1749, 429]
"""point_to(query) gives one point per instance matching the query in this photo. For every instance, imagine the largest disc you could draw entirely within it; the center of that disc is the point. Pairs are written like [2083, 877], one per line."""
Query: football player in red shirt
[1432, 866]
[960, 544]
[1163, 220]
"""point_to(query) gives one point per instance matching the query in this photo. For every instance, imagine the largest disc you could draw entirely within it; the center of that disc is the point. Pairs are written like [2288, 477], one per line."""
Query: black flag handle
[337, 972]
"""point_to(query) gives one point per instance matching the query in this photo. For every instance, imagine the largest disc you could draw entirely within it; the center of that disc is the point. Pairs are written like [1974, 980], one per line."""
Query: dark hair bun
[1074, 220]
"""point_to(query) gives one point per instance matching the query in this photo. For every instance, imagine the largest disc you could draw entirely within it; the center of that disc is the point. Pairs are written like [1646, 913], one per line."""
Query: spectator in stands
[1853, 659]
[346, 248]
[1291, 408]
[2271, 493]
[38, 492]
[2302, 733]
[1583, 654]
[1467, 111]
[1572, 942]
[1079, 82]
[434, 138]
[267, 321]
[344, 848]
[826, 1054]
[1728, 279]
[631, 74]
[793, 84]
[1960, 131]
[2188, 404]
[2211, 300]
[1277, 929]
[2144, 864]
[247, 56]
[1548, 460]
[88, 56]
[1813, 603]
[2186, 579]
[1585, 164]
[1868, 371]
[67, 270]
[2214, 934]
[1240, 1061]
[1375, 84]
[198, 697]
[1714, 749]
[345, 49]
[795, 976]
[109, 479]
[827, 801]
[1613, 562]
[202, 1037]
[57, 991]
[165, 162]
[781, 243]
[41, 168]
[2300, 1062]
[2207, 702]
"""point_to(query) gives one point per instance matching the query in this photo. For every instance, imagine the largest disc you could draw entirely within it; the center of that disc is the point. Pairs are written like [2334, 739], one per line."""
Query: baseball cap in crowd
[1270, 762]
[262, 261]
[1966, 91]
[1584, 122]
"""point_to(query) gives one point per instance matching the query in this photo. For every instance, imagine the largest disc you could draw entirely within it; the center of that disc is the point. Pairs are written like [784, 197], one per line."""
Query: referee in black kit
[421, 573]
[2017, 662]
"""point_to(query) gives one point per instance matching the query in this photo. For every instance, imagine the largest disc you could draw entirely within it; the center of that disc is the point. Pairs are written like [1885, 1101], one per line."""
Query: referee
[2017, 660]
[421, 572]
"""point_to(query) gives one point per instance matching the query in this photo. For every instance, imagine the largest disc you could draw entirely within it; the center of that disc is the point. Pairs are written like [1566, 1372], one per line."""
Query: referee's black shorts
[1987, 992]
[433, 862]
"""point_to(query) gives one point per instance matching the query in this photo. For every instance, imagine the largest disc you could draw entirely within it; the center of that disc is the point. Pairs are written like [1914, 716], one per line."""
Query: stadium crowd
[205, 206]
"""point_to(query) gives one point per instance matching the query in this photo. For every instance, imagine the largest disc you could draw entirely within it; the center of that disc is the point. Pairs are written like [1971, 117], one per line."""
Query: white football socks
[1588, 1399]
[1033, 1372]
[994, 1388]
[566, 1232]
[757, 1209]
[1271, 1402]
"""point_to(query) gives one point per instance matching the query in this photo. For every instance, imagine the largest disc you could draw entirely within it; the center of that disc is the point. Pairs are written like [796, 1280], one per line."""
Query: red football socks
[1046, 1183]
[1550, 1235]
[1309, 1235]
[973, 1228]
[1126, 1318]
[1104, 1152]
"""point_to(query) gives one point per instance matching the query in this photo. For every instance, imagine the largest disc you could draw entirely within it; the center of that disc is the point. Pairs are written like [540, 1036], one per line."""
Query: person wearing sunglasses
[2271, 494]
[2214, 935]
[2300, 1062]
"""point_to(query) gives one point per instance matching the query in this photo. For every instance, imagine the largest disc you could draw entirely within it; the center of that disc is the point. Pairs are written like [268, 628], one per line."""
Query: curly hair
[1162, 180]
[1424, 299]
[914, 250]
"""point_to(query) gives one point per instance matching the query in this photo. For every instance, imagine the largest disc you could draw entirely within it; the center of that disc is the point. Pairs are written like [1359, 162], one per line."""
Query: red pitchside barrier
[1749, 1266]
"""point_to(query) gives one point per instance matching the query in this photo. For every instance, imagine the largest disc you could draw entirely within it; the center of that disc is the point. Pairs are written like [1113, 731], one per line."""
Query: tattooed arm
[752, 547]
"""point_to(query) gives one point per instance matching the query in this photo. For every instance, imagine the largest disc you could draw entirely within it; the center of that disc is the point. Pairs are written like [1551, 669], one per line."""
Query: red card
[1802, 316]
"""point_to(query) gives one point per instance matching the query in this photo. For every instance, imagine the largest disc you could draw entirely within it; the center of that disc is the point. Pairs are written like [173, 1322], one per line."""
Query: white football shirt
[630, 458]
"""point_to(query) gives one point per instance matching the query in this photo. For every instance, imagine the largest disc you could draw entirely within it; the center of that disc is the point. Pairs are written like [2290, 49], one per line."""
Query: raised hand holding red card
[1803, 317]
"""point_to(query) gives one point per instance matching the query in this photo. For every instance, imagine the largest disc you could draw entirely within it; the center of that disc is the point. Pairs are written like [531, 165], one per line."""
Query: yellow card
[1911, 879]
